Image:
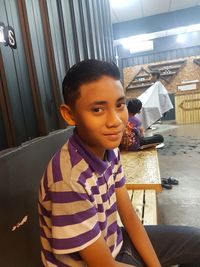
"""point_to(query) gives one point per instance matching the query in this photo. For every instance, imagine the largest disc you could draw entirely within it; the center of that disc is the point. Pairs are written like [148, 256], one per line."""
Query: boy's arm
[98, 255]
[135, 229]
[141, 130]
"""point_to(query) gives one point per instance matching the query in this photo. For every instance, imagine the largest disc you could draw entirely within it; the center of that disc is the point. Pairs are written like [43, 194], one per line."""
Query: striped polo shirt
[77, 203]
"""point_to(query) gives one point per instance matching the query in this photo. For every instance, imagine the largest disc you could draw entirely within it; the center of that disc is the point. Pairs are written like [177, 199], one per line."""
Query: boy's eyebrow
[98, 103]
[123, 98]
[104, 102]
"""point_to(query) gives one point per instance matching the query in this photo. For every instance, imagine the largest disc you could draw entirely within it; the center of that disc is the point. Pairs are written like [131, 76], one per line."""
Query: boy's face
[100, 114]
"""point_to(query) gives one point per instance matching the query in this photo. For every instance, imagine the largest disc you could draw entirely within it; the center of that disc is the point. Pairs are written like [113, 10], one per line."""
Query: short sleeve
[137, 122]
[74, 218]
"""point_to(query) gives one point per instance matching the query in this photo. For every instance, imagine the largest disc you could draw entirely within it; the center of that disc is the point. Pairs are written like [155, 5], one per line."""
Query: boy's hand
[98, 255]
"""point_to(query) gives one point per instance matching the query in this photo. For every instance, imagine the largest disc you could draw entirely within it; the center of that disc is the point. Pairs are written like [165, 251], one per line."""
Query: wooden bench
[145, 205]
[143, 181]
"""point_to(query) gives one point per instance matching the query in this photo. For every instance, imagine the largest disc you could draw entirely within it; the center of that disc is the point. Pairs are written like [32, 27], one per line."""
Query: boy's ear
[67, 115]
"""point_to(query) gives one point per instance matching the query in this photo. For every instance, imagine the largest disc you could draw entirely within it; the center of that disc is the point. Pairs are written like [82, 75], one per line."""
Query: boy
[133, 137]
[83, 186]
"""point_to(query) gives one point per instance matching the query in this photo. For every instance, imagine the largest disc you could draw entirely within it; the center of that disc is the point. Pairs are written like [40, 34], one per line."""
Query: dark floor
[180, 158]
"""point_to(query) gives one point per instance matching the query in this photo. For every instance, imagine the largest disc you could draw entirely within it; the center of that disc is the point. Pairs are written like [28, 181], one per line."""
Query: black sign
[7, 36]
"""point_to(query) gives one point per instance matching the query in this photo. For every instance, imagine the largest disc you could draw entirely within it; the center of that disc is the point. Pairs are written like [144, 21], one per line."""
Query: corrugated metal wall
[51, 36]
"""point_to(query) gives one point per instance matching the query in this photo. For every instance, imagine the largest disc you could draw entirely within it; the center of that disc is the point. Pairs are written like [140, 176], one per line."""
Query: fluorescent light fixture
[135, 47]
[181, 38]
[121, 3]
[193, 28]
[154, 35]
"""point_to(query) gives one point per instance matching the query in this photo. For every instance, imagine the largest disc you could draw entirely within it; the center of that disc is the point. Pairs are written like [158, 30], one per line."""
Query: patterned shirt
[131, 137]
[77, 203]
[136, 124]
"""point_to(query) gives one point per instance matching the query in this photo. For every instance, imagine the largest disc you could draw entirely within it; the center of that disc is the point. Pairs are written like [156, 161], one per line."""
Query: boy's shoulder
[134, 119]
[65, 166]
[71, 163]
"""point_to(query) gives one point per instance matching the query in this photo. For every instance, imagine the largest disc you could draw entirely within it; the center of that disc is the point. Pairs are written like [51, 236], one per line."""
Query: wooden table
[142, 169]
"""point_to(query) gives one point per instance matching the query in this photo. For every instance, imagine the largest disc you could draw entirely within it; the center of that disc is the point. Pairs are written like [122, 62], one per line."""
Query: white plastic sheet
[155, 102]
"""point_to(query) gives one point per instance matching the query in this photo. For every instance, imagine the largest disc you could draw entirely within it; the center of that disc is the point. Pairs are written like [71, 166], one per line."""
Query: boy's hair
[134, 106]
[86, 71]
[156, 73]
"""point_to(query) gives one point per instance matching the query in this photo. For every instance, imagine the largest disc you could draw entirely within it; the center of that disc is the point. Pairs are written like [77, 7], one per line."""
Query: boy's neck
[101, 153]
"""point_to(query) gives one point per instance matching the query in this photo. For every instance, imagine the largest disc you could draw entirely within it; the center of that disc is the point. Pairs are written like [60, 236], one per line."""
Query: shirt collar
[94, 162]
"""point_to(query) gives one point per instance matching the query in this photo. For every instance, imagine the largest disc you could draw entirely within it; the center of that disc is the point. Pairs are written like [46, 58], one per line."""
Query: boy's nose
[113, 119]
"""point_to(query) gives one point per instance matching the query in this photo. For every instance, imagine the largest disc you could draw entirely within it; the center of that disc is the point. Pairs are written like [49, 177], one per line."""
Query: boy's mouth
[115, 133]
[114, 136]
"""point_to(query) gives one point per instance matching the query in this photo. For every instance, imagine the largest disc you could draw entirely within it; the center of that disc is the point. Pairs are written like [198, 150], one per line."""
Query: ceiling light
[170, 32]
[193, 28]
[135, 47]
[181, 38]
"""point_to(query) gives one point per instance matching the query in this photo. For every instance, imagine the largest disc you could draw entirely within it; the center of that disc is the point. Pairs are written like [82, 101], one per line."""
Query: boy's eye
[121, 105]
[97, 110]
